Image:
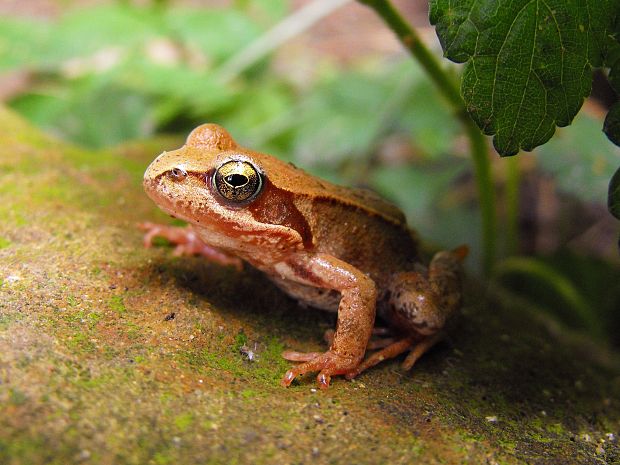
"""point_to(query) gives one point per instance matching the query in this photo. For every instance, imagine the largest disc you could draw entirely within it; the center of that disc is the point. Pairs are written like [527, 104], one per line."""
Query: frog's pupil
[236, 180]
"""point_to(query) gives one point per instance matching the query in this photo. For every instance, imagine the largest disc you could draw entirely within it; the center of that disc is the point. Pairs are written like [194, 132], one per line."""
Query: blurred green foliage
[117, 72]
[108, 74]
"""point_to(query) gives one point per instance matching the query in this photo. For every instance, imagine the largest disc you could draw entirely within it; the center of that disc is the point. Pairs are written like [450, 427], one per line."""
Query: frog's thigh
[413, 305]
[420, 304]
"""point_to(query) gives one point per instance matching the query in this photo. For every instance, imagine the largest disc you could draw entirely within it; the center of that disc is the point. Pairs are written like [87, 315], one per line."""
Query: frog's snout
[148, 173]
[151, 176]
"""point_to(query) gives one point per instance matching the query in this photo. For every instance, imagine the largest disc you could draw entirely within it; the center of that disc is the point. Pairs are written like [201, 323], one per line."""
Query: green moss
[81, 316]
[117, 304]
[4, 243]
[17, 397]
[250, 393]
[7, 319]
[241, 340]
[92, 383]
[133, 330]
[81, 342]
[161, 458]
[216, 361]
[9, 217]
[184, 421]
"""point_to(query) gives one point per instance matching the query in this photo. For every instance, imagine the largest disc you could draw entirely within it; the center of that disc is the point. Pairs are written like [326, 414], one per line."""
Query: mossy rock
[115, 354]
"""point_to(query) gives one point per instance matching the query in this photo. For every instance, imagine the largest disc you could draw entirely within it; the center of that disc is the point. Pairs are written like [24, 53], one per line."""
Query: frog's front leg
[187, 242]
[356, 314]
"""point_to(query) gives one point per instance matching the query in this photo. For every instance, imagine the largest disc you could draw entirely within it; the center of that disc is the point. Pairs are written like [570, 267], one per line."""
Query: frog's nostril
[177, 174]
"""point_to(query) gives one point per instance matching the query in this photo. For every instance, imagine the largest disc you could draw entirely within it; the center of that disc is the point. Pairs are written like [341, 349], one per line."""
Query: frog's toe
[394, 349]
[419, 349]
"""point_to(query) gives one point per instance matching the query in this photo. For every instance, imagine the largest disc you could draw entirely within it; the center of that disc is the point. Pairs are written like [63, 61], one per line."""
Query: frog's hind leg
[419, 306]
[294, 356]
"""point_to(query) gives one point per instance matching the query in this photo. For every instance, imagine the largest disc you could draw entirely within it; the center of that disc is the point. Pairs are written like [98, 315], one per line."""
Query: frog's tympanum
[330, 247]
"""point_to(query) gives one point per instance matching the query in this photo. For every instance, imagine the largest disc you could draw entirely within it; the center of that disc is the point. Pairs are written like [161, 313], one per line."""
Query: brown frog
[331, 247]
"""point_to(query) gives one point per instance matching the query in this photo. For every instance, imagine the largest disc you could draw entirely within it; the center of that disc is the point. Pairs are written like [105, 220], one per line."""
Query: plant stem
[289, 27]
[512, 205]
[449, 89]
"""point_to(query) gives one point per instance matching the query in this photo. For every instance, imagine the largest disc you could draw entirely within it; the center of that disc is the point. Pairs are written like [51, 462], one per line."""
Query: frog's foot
[186, 242]
[327, 364]
[415, 347]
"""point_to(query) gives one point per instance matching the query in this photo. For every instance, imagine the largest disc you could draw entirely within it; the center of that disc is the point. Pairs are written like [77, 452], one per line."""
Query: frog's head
[224, 190]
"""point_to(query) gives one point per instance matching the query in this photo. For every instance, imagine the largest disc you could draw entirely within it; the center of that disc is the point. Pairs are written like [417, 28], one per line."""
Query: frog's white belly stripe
[217, 239]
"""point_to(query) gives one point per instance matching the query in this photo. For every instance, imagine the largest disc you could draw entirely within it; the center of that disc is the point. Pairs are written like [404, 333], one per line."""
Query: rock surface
[114, 354]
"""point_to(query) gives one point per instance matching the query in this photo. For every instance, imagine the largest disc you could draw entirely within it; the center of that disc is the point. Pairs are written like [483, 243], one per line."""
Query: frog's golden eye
[237, 181]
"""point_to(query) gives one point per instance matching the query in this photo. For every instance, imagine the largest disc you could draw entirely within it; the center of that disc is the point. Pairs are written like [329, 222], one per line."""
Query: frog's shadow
[520, 379]
[249, 297]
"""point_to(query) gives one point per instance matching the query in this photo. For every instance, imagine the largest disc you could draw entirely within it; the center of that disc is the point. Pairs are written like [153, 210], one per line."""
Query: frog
[335, 248]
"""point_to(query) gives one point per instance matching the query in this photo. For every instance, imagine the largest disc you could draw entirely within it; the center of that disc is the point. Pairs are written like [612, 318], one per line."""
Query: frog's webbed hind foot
[416, 349]
[327, 364]
[186, 242]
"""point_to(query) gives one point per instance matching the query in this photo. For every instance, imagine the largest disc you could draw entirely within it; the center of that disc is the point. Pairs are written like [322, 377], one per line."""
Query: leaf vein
[563, 50]
[527, 81]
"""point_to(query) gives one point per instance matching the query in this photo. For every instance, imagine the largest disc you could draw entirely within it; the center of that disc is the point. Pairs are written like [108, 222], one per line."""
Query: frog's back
[373, 236]
[290, 178]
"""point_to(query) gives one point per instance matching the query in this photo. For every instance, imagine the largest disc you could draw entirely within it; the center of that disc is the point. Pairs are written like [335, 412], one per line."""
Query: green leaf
[216, 33]
[84, 32]
[613, 198]
[20, 41]
[195, 90]
[428, 195]
[529, 62]
[429, 119]
[92, 112]
[334, 123]
[611, 127]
